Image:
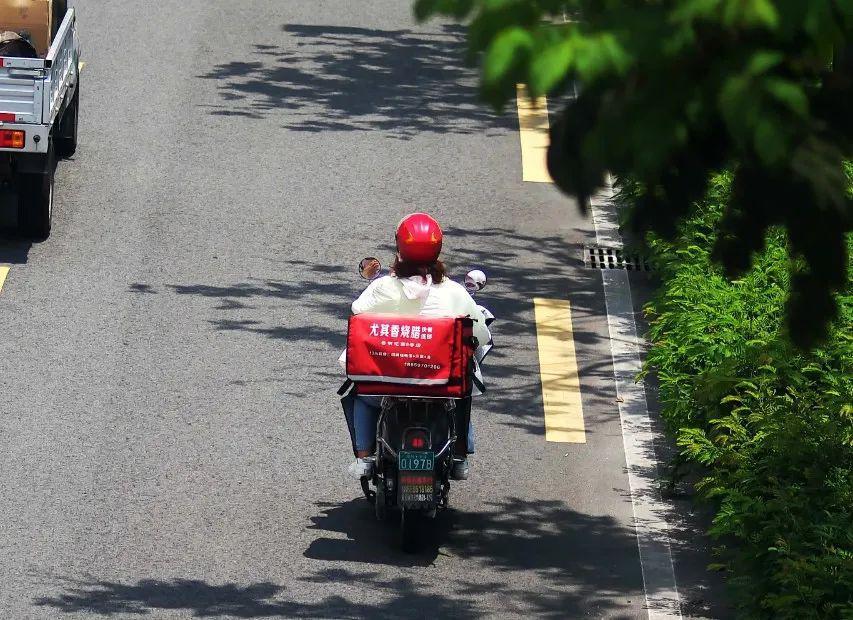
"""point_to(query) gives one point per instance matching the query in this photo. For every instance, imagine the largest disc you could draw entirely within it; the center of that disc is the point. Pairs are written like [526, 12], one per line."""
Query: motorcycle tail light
[416, 439]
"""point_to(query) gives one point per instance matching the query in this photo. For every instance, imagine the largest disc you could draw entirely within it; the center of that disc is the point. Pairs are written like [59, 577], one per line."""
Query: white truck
[39, 106]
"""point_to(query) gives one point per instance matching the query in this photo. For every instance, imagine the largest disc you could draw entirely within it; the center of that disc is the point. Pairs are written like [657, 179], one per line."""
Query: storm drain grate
[602, 257]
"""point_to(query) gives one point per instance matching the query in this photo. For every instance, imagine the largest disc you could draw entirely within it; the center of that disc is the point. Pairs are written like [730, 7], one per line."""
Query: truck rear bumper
[36, 139]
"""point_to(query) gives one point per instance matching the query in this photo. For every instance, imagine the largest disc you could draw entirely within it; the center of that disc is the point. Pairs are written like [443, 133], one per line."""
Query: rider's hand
[371, 269]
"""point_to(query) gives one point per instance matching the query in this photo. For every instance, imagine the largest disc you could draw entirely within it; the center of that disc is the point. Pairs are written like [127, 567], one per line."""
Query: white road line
[638, 437]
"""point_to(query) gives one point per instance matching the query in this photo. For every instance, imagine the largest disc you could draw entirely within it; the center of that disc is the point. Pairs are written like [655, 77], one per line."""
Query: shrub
[771, 427]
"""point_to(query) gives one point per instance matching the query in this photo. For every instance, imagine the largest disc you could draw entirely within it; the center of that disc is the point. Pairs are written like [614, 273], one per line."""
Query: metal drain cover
[603, 257]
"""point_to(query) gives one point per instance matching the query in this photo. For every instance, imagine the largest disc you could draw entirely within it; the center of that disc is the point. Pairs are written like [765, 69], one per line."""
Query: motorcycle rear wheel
[380, 505]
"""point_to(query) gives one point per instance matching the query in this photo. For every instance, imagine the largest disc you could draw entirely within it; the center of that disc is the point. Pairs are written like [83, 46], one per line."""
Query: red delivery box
[410, 355]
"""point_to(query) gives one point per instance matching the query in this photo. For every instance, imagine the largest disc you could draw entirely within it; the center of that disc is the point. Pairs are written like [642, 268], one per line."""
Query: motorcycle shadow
[371, 541]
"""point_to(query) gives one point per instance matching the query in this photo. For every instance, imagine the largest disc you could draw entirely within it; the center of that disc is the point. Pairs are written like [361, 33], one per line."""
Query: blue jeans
[365, 413]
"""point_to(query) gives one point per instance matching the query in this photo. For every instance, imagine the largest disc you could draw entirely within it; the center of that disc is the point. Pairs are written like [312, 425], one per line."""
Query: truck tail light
[12, 139]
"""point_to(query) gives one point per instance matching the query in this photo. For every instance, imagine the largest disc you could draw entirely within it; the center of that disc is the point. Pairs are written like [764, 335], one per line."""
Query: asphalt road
[170, 439]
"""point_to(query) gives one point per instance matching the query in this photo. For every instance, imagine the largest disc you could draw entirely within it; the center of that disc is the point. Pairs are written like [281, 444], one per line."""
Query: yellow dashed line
[4, 271]
[533, 129]
[558, 367]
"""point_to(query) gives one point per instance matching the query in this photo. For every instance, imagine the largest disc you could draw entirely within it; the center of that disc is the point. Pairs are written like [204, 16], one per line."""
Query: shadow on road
[514, 536]
[521, 268]
[257, 600]
[357, 79]
[13, 248]
[368, 540]
[314, 301]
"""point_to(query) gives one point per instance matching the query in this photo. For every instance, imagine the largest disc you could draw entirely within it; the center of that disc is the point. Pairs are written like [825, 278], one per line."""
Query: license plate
[417, 489]
[417, 461]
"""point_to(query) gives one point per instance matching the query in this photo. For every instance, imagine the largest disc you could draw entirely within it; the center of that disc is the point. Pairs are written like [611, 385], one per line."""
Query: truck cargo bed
[34, 91]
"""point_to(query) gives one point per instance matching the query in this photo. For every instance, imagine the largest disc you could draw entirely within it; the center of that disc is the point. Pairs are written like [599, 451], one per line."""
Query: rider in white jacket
[417, 286]
[419, 295]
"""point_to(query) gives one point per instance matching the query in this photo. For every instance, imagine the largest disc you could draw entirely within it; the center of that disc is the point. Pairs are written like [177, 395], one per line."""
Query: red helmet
[419, 238]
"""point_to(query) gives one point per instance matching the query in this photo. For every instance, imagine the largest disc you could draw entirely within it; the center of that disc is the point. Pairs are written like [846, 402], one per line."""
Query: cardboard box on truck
[30, 19]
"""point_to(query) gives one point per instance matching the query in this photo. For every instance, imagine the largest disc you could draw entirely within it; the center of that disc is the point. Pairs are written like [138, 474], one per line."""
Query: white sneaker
[460, 470]
[361, 468]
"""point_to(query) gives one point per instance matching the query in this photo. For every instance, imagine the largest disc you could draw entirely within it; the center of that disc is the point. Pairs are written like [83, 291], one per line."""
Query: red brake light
[12, 139]
[416, 439]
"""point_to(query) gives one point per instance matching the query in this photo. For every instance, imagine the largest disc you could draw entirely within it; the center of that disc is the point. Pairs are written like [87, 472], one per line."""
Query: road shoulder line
[638, 437]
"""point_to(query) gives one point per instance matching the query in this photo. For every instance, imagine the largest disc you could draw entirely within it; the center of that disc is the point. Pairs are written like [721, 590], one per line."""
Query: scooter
[416, 439]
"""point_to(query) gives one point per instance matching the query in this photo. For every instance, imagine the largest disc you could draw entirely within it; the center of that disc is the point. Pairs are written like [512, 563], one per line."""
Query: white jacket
[419, 296]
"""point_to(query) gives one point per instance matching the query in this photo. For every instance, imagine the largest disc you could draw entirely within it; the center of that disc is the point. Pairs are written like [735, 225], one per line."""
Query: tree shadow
[256, 600]
[580, 560]
[401, 82]
[324, 297]
[314, 302]
[522, 268]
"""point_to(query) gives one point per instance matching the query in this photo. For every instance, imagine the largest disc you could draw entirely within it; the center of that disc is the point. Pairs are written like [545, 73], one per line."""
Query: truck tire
[58, 9]
[35, 199]
[66, 135]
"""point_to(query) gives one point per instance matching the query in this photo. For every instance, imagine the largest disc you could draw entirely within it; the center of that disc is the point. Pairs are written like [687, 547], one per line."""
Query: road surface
[170, 439]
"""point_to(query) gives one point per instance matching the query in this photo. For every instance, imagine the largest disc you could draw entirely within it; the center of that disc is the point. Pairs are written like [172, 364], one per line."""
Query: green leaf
[751, 13]
[600, 56]
[424, 9]
[507, 52]
[770, 141]
[550, 66]
[692, 10]
[789, 94]
[764, 60]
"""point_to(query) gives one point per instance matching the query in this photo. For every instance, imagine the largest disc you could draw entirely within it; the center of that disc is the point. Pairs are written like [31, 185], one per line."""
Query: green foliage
[674, 92]
[771, 426]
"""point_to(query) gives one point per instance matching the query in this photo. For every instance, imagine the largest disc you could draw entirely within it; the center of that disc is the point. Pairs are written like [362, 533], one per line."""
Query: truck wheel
[35, 199]
[66, 138]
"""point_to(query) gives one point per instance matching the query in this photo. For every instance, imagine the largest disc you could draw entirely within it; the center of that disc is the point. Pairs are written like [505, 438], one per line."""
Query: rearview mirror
[369, 268]
[475, 280]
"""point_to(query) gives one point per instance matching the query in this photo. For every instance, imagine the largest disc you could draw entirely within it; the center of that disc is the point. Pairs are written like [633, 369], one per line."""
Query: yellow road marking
[80, 66]
[533, 129]
[558, 367]
[4, 271]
